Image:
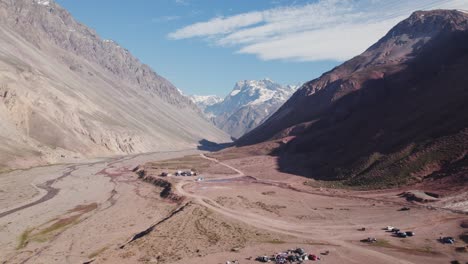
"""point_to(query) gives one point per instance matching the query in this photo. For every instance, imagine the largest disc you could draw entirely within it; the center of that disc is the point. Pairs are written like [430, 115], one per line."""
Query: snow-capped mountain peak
[206, 99]
[254, 100]
[254, 92]
[43, 2]
[203, 101]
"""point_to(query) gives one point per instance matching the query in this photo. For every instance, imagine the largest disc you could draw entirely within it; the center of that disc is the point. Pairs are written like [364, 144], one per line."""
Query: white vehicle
[390, 228]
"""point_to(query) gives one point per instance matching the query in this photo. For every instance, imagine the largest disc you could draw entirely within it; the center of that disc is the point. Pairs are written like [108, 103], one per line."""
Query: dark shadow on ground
[206, 145]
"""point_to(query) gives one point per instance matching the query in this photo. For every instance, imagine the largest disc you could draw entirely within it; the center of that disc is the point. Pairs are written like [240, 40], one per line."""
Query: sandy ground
[274, 212]
[68, 213]
[243, 209]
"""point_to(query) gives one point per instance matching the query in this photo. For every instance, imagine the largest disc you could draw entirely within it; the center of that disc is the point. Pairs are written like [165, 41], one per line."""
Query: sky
[205, 46]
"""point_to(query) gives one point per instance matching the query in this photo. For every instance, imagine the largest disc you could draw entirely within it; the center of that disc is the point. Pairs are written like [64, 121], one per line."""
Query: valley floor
[242, 209]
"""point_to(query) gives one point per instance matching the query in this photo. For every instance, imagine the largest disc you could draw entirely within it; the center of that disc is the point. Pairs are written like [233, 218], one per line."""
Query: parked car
[401, 234]
[370, 240]
[447, 240]
[263, 259]
[300, 251]
[409, 233]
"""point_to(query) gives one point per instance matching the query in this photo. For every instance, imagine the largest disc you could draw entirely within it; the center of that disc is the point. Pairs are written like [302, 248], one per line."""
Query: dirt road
[72, 213]
[325, 233]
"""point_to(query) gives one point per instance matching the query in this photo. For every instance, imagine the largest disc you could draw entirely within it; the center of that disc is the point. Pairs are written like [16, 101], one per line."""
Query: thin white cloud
[325, 30]
[182, 2]
[165, 19]
[218, 25]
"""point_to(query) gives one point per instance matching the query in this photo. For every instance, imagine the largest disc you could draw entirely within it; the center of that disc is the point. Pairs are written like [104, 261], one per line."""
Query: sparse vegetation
[275, 241]
[381, 243]
[24, 239]
[194, 162]
[47, 230]
[97, 252]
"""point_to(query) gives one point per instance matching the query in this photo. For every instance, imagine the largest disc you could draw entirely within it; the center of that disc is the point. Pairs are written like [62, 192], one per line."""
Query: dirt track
[287, 228]
[101, 205]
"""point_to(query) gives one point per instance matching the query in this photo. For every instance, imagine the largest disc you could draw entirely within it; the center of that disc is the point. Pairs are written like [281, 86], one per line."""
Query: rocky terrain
[66, 93]
[393, 115]
[248, 105]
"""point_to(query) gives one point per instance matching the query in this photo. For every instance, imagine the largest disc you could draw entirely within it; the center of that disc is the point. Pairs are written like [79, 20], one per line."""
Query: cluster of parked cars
[185, 173]
[179, 173]
[290, 256]
[397, 232]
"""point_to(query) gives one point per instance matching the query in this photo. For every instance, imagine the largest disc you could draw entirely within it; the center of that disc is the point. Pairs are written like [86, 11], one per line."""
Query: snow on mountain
[43, 2]
[248, 105]
[203, 101]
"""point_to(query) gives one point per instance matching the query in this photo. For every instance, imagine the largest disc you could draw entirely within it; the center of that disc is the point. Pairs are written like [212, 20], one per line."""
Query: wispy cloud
[325, 30]
[182, 2]
[164, 19]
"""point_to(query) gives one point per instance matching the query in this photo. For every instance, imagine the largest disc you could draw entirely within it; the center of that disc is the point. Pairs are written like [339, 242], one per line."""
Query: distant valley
[103, 160]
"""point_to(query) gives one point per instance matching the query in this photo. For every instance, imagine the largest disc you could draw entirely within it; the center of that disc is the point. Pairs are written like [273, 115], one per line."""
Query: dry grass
[97, 252]
[262, 149]
[426, 250]
[84, 208]
[55, 226]
[194, 162]
[276, 242]
[24, 238]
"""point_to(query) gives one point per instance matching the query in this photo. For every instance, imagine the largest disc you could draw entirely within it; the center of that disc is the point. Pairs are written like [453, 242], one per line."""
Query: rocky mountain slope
[65, 92]
[248, 105]
[395, 114]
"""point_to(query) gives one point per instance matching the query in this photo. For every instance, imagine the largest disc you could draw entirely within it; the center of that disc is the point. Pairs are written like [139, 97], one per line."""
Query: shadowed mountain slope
[395, 114]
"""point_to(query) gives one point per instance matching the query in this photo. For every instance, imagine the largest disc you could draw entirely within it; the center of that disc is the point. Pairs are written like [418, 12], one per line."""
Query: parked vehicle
[447, 240]
[263, 259]
[370, 240]
[401, 234]
[300, 251]
[409, 233]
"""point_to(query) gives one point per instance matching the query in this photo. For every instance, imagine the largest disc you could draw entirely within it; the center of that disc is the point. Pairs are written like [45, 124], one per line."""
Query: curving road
[287, 228]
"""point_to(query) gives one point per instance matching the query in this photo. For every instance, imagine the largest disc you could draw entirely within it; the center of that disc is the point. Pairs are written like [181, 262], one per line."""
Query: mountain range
[66, 93]
[393, 115]
[248, 105]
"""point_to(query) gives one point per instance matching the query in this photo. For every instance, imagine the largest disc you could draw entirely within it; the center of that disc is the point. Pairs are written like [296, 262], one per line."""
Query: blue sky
[205, 46]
